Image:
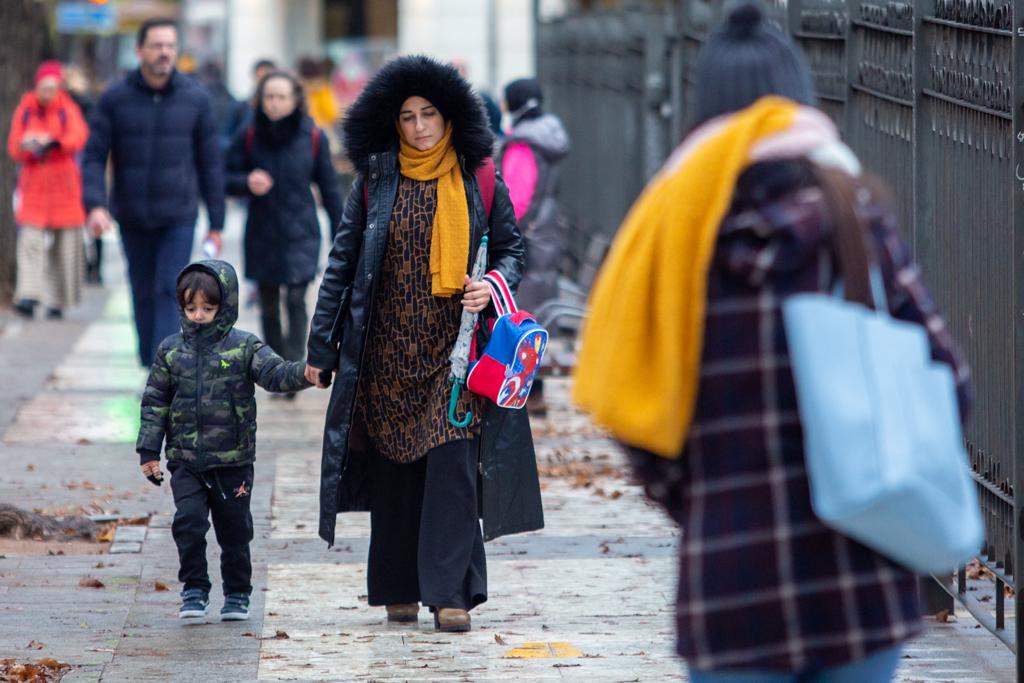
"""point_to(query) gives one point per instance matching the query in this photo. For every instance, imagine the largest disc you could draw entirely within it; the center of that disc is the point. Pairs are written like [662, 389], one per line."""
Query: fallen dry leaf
[35, 645]
[43, 671]
[499, 640]
[279, 635]
[90, 582]
[30, 468]
[944, 616]
[160, 587]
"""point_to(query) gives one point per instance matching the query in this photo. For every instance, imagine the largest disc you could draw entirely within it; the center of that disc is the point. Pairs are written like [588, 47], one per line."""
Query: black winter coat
[510, 490]
[165, 153]
[282, 232]
[200, 395]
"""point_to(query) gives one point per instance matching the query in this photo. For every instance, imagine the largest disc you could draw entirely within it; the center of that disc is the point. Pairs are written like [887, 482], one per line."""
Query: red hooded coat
[50, 184]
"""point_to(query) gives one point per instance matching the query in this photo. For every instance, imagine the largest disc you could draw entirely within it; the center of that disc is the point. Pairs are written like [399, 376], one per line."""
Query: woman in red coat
[47, 133]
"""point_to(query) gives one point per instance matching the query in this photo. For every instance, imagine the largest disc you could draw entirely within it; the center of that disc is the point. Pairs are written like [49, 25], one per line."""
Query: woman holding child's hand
[386, 320]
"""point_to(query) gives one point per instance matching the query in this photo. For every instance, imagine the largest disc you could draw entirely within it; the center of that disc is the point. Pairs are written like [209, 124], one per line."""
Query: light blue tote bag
[883, 445]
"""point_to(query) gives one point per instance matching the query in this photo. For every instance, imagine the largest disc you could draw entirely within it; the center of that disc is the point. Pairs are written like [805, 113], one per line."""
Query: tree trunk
[24, 41]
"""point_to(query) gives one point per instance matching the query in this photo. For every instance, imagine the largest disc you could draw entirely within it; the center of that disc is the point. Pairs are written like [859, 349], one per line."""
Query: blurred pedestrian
[387, 318]
[47, 133]
[322, 105]
[685, 359]
[493, 110]
[529, 158]
[79, 89]
[272, 162]
[157, 128]
[229, 114]
[261, 68]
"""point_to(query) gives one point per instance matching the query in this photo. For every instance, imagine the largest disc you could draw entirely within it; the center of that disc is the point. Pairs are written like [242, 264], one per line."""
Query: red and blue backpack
[505, 371]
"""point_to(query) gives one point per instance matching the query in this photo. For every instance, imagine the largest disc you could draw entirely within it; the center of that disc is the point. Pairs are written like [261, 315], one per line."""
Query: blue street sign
[84, 17]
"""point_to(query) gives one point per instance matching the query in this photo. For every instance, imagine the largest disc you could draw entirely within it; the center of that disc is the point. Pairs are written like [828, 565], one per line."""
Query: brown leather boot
[404, 612]
[451, 620]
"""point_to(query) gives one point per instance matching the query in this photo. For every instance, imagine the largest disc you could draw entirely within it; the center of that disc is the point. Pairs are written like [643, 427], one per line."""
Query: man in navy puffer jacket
[157, 128]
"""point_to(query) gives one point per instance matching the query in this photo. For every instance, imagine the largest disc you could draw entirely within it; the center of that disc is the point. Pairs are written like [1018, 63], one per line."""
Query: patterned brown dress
[404, 388]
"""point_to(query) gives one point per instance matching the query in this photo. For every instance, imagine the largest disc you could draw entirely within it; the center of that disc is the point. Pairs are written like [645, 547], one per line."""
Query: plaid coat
[763, 584]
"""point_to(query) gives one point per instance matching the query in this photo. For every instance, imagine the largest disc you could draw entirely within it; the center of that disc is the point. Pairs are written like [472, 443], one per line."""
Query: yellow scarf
[639, 363]
[449, 240]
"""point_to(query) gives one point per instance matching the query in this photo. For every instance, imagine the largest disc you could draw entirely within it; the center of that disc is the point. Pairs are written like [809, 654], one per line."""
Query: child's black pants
[223, 494]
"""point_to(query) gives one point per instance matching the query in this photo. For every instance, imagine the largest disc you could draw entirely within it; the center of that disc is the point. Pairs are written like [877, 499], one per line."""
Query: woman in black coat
[385, 323]
[273, 161]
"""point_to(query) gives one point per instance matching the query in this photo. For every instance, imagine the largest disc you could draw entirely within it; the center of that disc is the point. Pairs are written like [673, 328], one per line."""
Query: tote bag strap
[860, 278]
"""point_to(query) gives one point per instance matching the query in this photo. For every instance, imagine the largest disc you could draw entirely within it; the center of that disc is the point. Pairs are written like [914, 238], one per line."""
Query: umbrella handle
[452, 402]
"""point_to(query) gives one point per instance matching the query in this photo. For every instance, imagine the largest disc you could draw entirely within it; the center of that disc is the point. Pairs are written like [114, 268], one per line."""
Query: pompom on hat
[746, 58]
[50, 69]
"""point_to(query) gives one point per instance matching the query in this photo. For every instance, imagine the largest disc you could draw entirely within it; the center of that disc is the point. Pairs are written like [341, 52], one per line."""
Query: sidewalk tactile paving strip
[76, 418]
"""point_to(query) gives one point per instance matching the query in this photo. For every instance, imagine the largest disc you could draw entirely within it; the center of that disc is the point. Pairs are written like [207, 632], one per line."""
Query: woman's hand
[476, 296]
[313, 376]
[260, 182]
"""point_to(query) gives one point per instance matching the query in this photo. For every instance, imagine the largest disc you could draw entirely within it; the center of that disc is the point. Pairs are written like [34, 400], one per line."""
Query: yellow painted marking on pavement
[543, 651]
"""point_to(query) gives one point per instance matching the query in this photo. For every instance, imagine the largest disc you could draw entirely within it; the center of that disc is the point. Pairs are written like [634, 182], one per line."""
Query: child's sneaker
[236, 607]
[193, 604]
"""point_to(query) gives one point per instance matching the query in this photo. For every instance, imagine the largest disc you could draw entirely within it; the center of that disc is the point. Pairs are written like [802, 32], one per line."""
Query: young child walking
[200, 402]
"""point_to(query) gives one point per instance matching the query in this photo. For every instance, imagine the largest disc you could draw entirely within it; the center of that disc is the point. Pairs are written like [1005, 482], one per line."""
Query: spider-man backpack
[509, 364]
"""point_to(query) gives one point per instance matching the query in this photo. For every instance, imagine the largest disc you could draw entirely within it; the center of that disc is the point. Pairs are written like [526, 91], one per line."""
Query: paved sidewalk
[588, 599]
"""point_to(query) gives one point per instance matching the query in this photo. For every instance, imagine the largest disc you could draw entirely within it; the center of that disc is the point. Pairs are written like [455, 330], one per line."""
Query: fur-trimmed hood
[369, 125]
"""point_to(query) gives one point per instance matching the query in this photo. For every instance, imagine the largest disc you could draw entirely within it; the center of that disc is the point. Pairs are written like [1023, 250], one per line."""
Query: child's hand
[317, 377]
[151, 471]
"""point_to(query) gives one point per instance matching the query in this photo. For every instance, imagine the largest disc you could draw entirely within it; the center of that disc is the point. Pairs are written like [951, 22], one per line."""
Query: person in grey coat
[529, 158]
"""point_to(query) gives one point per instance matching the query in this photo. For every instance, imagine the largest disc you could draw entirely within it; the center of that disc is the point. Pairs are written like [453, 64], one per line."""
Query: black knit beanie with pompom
[746, 58]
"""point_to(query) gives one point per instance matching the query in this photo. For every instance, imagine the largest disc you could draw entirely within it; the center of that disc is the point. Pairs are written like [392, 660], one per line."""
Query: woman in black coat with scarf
[273, 161]
[386, 320]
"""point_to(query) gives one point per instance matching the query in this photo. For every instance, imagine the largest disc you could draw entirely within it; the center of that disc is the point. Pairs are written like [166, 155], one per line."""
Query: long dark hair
[297, 90]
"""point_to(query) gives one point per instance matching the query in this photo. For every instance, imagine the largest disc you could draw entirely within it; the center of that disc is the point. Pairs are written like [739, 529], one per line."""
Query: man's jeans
[155, 257]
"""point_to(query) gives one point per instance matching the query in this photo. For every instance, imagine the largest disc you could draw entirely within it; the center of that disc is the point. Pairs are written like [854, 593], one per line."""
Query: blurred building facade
[492, 39]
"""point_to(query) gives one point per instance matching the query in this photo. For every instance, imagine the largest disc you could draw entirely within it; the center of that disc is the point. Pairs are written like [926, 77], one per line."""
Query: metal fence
[930, 94]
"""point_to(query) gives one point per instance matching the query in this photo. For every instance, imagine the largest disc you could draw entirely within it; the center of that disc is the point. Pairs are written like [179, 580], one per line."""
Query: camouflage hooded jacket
[201, 395]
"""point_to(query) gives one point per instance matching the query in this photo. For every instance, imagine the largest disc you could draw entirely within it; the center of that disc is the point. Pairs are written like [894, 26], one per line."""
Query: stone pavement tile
[84, 674]
[118, 373]
[956, 651]
[71, 417]
[566, 601]
[29, 351]
[225, 665]
[116, 591]
[94, 477]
